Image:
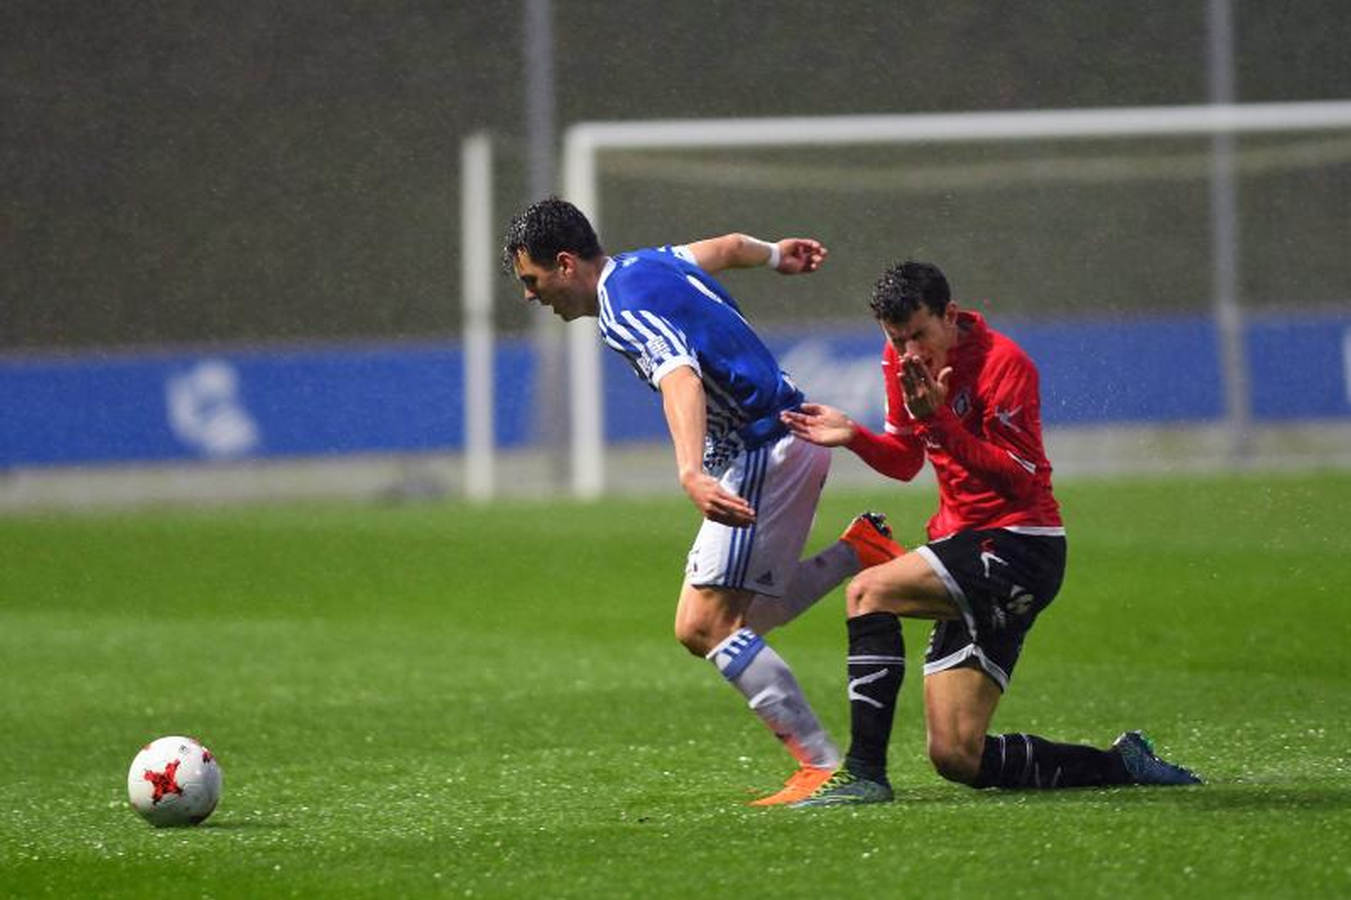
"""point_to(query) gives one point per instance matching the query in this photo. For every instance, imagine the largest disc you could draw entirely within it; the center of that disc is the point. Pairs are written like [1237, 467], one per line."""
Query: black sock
[876, 669]
[1027, 761]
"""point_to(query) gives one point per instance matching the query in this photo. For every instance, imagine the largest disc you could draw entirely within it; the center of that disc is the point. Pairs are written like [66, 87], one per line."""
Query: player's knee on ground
[956, 760]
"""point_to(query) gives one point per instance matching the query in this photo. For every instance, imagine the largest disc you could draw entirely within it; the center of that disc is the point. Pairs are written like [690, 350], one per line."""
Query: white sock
[813, 578]
[773, 694]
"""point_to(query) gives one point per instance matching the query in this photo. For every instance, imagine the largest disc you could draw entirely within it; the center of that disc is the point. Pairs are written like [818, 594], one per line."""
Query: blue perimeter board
[251, 403]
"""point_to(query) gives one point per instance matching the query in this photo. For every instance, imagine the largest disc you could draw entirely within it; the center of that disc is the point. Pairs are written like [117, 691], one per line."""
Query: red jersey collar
[975, 336]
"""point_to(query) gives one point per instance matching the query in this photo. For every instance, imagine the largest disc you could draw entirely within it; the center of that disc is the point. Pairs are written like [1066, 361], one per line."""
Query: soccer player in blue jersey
[755, 484]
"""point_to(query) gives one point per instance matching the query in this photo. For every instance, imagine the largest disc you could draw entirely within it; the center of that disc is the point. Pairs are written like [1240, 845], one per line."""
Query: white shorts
[782, 482]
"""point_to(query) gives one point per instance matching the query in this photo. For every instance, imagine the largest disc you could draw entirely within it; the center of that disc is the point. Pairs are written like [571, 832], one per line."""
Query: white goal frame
[584, 141]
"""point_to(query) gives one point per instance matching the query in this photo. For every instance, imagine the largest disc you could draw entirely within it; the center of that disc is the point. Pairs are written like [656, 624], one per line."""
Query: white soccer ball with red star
[174, 781]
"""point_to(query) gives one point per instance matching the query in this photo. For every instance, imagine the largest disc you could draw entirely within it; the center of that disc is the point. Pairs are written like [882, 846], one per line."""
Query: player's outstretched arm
[820, 424]
[789, 256]
[830, 427]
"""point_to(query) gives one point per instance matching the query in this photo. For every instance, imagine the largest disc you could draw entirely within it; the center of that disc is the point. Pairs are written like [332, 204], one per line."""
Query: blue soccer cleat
[1144, 767]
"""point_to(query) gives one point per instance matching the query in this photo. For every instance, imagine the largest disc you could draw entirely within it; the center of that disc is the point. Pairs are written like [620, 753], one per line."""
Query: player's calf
[1028, 761]
[773, 694]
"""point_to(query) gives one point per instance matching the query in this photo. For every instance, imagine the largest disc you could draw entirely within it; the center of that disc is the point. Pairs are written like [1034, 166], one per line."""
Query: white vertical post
[476, 219]
[585, 392]
[1224, 231]
[550, 413]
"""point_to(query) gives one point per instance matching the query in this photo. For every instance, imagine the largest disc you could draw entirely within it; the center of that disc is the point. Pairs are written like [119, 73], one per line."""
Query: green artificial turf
[489, 702]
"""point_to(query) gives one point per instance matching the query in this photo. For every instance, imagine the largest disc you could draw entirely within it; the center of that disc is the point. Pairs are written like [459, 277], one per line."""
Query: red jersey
[985, 442]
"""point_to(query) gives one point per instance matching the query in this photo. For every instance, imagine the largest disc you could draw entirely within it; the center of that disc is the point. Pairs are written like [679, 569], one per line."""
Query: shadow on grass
[1220, 797]
[242, 825]
[1273, 797]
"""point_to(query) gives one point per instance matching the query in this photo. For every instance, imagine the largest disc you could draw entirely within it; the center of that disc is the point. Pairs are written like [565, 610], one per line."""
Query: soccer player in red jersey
[966, 398]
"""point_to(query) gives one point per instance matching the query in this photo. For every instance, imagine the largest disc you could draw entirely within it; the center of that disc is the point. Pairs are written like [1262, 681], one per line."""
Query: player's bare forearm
[682, 400]
[791, 256]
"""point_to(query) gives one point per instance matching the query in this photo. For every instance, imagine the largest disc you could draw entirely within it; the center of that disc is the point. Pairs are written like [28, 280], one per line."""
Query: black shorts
[1000, 580]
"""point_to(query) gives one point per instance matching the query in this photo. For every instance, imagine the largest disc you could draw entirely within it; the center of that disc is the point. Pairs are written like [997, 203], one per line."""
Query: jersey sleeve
[682, 251]
[887, 453]
[1007, 456]
[1013, 418]
[654, 344]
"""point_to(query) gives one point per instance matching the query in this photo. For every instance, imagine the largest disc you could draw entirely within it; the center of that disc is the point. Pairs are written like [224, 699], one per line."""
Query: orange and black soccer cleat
[870, 536]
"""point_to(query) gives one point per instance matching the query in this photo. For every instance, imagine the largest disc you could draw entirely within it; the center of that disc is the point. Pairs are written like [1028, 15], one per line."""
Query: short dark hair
[902, 288]
[547, 228]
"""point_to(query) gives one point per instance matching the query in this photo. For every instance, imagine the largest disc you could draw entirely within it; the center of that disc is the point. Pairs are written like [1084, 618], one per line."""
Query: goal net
[1151, 217]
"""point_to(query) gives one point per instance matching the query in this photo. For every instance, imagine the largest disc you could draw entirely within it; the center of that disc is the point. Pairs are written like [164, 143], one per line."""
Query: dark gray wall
[187, 172]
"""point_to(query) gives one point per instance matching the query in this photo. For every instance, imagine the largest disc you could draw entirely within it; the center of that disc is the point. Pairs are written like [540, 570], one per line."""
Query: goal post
[584, 142]
[476, 286]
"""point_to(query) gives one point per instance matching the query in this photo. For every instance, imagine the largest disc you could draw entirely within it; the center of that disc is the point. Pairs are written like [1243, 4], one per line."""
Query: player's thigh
[907, 586]
[958, 706]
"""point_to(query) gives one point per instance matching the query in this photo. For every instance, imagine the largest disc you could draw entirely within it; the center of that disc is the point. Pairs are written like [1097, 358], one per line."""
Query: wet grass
[441, 700]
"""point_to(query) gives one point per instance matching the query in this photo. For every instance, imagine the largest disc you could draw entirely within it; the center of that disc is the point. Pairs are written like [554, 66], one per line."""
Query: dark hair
[547, 228]
[902, 288]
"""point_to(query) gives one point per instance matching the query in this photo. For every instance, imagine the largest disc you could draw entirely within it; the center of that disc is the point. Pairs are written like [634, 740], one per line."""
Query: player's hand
[799, 256]
[820, 424]
[716, 503]
[924, 394]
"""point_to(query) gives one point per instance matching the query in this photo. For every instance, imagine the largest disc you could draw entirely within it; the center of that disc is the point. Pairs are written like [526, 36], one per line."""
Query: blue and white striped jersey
[661, 311]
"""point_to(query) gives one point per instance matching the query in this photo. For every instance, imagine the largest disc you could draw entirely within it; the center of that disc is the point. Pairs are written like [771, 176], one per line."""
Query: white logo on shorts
[1020, 601]
[987, 557]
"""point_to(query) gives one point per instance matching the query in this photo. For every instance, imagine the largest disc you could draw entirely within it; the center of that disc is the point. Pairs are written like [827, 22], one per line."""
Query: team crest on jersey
[961, 404]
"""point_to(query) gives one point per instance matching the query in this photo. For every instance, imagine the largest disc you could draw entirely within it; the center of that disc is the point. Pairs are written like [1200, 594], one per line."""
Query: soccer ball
[174, 781]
